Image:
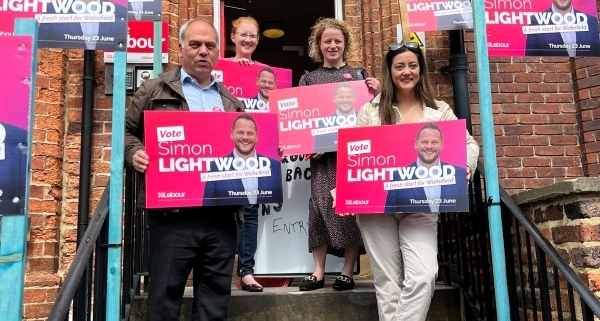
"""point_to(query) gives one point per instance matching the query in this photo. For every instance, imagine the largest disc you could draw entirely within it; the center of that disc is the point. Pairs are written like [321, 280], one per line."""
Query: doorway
[297, 17]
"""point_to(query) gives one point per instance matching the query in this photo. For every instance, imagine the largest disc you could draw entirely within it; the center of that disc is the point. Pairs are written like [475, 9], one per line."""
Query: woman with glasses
[244, 35]
[402, 248]
[330, 43]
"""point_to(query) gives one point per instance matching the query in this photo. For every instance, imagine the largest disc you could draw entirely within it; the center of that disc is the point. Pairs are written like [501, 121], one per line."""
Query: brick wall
[45, 205]
[587, 94]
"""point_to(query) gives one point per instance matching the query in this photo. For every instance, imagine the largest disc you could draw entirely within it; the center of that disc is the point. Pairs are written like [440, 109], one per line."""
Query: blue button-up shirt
[201, 99]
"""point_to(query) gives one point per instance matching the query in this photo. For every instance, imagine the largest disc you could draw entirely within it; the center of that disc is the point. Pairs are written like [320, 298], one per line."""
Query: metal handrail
[65, 295]
[584, 292]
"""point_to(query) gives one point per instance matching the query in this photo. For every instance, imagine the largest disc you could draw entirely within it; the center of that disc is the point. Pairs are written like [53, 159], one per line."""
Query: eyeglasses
[411, 45]
[245, 35]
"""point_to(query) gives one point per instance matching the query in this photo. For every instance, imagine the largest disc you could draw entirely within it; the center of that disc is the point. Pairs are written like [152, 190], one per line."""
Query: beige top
[369, 116]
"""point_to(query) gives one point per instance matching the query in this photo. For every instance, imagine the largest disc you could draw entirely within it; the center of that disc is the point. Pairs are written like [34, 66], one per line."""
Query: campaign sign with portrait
[408, 168]
[432, 15]
[211, 159]
[140, 43]
[15, 93]
[310, 116]
[71, 24]
[252, 84]
[567, 28]
[144, 9]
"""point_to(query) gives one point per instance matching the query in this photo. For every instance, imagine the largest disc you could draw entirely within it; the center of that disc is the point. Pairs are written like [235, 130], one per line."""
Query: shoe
[343, 282]
[251, 287]
[310, 283]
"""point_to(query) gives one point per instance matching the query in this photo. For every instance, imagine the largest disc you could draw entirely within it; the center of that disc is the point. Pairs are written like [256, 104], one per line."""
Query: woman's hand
[468, 174]
[374, 85]
[281, 151]
[245, 62]
[314, 156]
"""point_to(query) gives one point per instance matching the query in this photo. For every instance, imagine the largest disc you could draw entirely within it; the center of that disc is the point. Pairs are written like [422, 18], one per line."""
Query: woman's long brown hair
[423, 90]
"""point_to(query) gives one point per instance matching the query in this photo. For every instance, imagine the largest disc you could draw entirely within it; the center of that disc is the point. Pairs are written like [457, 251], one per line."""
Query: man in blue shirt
[198, 238]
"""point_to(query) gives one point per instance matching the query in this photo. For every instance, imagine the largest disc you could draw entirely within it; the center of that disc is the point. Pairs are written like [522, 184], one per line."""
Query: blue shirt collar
[185, 76]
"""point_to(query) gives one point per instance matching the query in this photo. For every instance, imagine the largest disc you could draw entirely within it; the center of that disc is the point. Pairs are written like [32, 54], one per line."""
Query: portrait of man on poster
[572, 43]
[344, 99]
[265, 82]
[250, 190]
[428, 144]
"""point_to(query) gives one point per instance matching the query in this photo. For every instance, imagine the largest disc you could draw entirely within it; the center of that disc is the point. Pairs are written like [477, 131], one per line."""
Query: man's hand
[140, 161]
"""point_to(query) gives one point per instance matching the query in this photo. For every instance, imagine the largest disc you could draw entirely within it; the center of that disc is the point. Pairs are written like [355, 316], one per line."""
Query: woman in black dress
[330, 43]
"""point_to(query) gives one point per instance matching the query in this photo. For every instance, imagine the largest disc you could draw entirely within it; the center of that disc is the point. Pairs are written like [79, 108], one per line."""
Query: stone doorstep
[290, 304]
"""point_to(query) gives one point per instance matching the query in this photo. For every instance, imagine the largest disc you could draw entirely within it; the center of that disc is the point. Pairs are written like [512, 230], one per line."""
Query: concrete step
[289, 304]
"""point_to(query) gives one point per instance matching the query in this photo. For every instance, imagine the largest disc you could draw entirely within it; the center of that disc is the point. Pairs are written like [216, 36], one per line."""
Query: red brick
[547, 129]
[566, 161]
[545, 172]
[559, 98]
[545, 108]
[515, 108]
[549, 151]
[533, 140]
[533, 119]
[511, 67]
[530, 98]
[518, 151]
[520, 172]
[563, 140]
[537, 161]
[515, 130]
[33, 311]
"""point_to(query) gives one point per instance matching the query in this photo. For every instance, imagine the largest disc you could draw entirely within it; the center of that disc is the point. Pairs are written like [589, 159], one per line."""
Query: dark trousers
[247, 240]
[202, 239]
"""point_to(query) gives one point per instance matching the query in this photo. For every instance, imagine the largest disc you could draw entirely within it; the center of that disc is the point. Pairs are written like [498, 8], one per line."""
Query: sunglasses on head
[411, 45]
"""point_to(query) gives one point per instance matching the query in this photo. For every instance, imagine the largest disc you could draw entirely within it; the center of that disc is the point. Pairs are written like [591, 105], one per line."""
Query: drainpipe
[82, 302]
[458, 68]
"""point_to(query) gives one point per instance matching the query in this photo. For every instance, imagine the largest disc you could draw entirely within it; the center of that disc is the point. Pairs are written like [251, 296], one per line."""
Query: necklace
[411, 114]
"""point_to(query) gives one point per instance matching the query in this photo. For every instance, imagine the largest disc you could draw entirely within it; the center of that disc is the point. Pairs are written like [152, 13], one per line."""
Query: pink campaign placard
[15, 94]
[310, 116]
[384, 169]
[250, 84]
[432, 15]
[201, 159]
[536, 28]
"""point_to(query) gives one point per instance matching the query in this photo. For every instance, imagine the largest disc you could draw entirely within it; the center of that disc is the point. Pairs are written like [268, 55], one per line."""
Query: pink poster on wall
[15, 93]
[211, 159]
[140, 43]
[310, 116]
[93, 25]
[408, 168]
[432, 15]
[252, 84]
[542, 28]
